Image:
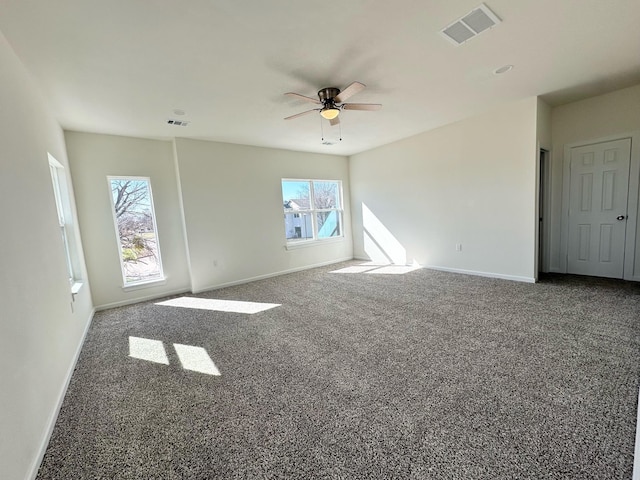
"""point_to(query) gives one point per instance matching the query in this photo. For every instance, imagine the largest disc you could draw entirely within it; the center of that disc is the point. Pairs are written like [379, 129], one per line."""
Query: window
[136, 232]
[312, 209]
[63, 208]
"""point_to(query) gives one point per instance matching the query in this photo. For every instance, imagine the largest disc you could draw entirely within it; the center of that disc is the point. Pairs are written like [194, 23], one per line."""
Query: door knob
[620, 217]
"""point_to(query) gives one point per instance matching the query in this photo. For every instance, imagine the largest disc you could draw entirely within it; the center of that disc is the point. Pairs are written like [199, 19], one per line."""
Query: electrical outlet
[458, 247]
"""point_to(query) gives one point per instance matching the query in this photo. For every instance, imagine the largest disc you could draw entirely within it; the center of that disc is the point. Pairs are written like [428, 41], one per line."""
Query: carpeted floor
[426, 375]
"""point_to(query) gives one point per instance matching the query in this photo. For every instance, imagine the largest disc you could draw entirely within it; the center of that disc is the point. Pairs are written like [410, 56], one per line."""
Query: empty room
[306, 240]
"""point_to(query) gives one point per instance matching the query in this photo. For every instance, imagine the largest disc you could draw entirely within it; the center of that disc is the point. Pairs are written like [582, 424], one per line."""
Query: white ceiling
[122, 66]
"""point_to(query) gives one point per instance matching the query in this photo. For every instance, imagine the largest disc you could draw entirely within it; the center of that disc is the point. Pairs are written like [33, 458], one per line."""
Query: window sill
[147, 284]
[312, 243]
[76, 287]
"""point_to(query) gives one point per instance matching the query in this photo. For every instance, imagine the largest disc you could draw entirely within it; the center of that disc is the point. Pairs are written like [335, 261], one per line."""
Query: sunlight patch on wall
[196, 359]
[373, 250]
[233, 306]
[149, 350]
[379, 243]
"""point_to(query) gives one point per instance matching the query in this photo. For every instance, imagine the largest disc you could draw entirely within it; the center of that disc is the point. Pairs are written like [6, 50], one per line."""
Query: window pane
[326, 195]
[61, 197]
[328, 224]
[135, 223]
[312, 209]
[67, 252]
[295, 195]
[298, 226]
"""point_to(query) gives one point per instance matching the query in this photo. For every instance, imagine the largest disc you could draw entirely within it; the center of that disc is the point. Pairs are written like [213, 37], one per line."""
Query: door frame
[631, 248]
[543, 211]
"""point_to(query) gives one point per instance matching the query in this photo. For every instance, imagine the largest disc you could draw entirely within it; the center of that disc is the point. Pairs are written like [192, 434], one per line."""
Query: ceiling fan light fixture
[329, 113]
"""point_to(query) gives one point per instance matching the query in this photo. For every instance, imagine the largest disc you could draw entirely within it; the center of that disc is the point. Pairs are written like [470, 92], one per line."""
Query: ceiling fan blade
[301, 114]
[362, 106]
[352, 89]
[303, 97]
[334, 121]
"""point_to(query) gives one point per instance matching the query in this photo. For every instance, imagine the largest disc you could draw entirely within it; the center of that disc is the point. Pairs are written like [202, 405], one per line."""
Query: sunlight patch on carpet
[196, 359]
[394, 269]
[149, 350]
[354, 269]
[381, 269]
[233, 306]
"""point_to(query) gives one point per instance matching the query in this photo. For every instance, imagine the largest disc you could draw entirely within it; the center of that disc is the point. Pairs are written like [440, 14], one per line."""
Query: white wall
[41, 328]
[591, 119]
[93, 157]
[233, 210]
[472, 182]
[543, 125]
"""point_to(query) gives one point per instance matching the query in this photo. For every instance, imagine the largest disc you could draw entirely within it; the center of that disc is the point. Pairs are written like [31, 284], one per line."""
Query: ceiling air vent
[471, 25]
[177, 123]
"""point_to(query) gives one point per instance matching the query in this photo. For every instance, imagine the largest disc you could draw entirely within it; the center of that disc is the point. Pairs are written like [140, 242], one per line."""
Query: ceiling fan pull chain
[321, 131]
[340, 125]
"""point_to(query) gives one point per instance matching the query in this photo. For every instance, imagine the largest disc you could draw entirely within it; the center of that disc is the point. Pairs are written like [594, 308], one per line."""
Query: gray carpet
[424, 375]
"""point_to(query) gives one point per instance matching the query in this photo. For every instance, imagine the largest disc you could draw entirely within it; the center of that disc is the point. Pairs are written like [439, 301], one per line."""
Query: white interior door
[598, 208]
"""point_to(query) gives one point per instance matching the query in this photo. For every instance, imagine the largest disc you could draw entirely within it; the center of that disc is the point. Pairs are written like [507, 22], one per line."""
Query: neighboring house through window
[136, 233]
[312, 209]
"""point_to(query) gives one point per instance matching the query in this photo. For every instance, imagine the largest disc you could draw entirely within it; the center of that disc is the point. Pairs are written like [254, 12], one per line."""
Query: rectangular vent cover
[177, 123]
[471, 25]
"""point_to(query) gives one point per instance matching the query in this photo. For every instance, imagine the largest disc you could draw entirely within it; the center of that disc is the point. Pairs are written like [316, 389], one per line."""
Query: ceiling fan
[330, 101]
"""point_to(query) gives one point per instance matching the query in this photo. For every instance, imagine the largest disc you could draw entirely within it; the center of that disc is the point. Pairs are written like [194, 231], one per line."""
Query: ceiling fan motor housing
[331, 101]
[328, 94]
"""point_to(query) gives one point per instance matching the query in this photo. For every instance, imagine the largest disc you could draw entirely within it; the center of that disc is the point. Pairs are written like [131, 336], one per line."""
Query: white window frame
[131, 285]
[290, 244]
[63, 204]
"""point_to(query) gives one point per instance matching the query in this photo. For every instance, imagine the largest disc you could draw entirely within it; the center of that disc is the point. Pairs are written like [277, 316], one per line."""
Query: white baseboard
[53, 418]
[636, 456]
[476, 273]
[515, 278]
[122, 303]
[269, 275]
